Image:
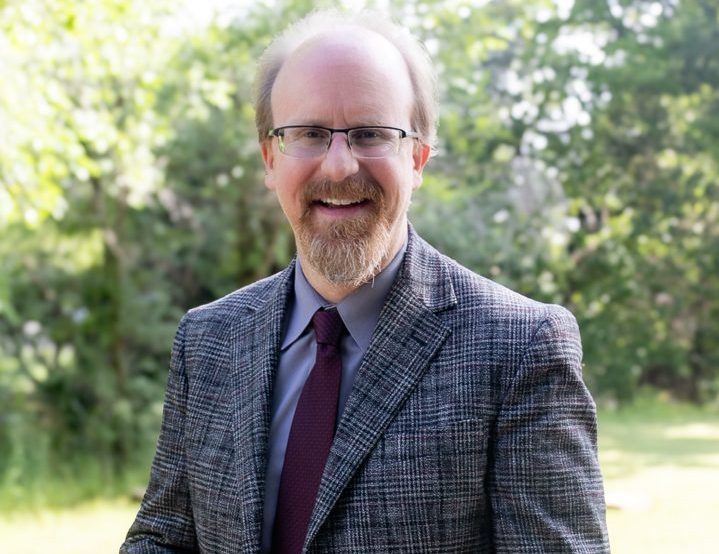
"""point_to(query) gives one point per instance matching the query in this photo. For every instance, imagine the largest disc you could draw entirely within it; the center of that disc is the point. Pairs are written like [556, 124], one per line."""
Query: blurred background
[578, 163]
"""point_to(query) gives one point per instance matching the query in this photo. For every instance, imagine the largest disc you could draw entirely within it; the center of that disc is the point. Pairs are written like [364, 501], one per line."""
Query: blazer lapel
[255, 346]
[408, 335]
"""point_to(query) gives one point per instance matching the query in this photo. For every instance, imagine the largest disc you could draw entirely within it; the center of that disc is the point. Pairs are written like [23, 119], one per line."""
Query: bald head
[353, 62]
[336, 42]
[346, 46]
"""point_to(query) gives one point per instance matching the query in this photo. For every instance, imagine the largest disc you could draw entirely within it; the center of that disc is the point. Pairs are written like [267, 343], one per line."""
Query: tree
[577, 164]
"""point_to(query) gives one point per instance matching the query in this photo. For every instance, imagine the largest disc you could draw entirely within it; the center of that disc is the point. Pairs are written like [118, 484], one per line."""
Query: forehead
[351, 75]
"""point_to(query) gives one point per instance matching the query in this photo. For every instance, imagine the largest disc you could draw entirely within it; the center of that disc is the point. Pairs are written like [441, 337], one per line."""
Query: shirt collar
[359, 311]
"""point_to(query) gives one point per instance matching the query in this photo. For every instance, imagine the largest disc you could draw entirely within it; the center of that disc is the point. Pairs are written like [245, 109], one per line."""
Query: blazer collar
[425, 275]
[409, 333]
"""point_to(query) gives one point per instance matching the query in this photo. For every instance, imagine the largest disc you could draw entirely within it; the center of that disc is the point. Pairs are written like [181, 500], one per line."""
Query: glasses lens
[305, 142]
[374, 142]
[364, 142]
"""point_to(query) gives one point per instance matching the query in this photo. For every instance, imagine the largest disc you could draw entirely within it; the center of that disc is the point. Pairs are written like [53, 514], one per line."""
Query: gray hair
[419, 65]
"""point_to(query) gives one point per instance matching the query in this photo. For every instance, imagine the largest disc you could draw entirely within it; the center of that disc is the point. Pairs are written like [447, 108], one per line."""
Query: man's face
[348, 214]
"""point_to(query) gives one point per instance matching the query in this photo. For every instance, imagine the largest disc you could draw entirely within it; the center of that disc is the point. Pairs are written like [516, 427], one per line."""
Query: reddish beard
[348, 251]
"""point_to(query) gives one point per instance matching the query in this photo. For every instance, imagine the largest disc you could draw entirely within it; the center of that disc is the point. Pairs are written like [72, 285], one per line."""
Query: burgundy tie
[310, 437]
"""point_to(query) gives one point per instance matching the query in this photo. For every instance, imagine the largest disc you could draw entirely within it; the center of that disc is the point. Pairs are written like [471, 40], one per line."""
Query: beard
[346, 252]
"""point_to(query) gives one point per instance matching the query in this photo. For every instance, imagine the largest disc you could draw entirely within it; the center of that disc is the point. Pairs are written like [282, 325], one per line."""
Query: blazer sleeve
[164, 523]
[545, 483]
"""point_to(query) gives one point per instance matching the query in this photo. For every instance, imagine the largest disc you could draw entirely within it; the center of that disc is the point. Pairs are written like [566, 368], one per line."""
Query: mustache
[353, 188]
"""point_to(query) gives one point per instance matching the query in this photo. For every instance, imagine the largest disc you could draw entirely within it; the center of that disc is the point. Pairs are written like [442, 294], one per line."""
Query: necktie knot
[328, 326]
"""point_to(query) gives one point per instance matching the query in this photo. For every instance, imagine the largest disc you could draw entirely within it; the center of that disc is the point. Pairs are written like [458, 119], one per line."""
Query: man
[375, 396]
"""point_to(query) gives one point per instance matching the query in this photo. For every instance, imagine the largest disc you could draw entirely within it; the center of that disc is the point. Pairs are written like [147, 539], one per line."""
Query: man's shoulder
[475, 292]
[242, 301]
[492, 297]
[471, 284]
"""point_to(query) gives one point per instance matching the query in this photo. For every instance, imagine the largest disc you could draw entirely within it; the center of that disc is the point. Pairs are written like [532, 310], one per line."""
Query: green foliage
[577, 164]
[131, 192]
[642, 180]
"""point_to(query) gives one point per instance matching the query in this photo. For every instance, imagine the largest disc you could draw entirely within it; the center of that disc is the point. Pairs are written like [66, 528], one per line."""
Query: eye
[311, 134]
[372, 136]
[368, 134]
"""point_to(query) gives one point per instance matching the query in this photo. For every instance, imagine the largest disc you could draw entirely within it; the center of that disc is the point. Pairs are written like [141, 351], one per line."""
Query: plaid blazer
[469, 428]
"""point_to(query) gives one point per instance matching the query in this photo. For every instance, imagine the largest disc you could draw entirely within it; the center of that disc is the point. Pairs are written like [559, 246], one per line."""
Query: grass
[661, 468]
[91, 528]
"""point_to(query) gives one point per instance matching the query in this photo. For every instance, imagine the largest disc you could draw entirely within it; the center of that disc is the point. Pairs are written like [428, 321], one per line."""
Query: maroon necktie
[310, 437]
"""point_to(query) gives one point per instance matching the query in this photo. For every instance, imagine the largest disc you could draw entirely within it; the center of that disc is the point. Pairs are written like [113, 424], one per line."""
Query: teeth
[339, 202]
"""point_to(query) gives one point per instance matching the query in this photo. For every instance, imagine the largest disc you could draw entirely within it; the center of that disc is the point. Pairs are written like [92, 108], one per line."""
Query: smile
[340, 202]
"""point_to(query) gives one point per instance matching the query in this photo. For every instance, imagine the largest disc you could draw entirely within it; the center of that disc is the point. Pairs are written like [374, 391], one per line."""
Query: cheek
[288, 181]
[402, 180]
[290, 199]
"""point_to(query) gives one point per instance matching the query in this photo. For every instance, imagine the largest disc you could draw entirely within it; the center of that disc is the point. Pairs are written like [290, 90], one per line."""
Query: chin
[348, 253]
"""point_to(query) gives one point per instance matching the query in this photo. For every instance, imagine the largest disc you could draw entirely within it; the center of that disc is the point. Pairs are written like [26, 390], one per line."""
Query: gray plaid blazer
[469, 428]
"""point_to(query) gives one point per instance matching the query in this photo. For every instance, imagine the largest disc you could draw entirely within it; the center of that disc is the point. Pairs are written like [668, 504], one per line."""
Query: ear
[420, 156]
[268, 157]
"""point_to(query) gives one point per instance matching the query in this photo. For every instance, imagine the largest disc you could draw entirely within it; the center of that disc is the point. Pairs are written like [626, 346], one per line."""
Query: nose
[339, 162]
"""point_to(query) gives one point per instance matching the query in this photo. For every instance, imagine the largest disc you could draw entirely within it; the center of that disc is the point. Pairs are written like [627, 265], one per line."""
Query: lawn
[93, 528]
[661, 469]
[660, 462]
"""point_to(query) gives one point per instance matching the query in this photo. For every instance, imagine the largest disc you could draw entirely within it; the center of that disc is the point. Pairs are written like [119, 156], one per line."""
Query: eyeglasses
[300, 141]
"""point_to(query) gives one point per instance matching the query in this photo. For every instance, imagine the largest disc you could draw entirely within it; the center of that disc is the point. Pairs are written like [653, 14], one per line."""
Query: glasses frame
[279, 133]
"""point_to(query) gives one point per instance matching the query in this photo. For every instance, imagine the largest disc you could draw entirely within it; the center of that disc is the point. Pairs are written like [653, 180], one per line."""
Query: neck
[332, 292]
